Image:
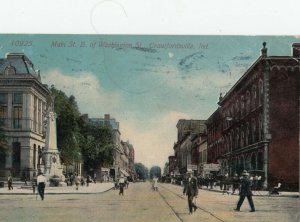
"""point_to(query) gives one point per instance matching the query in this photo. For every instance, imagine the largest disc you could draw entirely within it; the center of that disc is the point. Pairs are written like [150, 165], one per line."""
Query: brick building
[184, 153]
[256, 126]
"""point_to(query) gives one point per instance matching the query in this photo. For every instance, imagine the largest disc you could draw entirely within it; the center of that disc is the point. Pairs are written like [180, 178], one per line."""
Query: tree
[155, 171]
[141, 171]
[68, 132]
[96, 146]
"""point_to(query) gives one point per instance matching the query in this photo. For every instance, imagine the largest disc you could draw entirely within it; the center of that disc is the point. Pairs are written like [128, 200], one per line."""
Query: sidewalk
[255, 193]
[91, 189]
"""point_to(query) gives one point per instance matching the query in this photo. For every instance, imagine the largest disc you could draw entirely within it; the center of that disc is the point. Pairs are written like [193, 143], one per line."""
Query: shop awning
[124, 173]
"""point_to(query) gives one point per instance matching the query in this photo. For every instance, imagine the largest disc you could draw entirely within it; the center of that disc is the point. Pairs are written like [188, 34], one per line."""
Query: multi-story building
[131, 158]
[171, 166]
[183, 147]
[23, 100]
[257, 124]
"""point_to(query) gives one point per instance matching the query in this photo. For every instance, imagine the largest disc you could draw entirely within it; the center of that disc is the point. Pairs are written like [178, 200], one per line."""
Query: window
[247, 135]
[247, 102]
[34, 114]
[260, 92]
[17, 98]
[237, 109]
[253, 131]
[3, 99]
[3, 107]
[242, 106]
[17, 117]
[253, 97]
[242, 136]
[10, 70]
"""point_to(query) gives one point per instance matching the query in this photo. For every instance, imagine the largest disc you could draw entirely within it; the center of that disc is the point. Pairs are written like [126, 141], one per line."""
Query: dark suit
[191, 190]
[245, 191]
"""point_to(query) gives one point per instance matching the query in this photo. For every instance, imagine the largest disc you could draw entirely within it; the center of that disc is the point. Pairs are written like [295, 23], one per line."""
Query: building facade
[256, 126]
[187, 129]
[23, 100]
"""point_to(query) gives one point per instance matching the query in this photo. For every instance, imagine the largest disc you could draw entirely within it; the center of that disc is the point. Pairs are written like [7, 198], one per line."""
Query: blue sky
[145, 82]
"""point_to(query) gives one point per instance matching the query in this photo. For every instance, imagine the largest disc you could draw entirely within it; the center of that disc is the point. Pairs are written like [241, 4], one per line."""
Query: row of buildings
[254, 128]
[23, 105]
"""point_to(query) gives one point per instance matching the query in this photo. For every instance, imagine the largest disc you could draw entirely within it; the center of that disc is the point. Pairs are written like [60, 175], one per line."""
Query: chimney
[106, 116]
[264, 50]
[296, 50]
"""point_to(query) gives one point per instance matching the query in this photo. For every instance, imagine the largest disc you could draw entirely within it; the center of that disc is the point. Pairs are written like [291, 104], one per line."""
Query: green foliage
[78, 139]
[155, 171]
[141, 171]
[96, 146]
[68, 131]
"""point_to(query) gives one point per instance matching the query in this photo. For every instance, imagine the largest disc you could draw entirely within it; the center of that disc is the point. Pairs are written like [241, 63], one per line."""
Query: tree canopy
[96, 146]
[141, 171]
[77, 138]
[68, 132]
[155, 171]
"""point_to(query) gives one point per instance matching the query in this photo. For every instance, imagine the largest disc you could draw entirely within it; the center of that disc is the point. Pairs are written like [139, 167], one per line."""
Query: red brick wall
[284, 128]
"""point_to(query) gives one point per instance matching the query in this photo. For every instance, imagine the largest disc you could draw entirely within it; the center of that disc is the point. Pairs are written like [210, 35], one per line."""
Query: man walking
[191, 190]
[245, 191]
[41, 183]
[9, 182]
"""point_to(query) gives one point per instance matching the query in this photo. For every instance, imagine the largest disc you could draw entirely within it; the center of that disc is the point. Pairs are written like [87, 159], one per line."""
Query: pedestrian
[191, 190]
[82, 181]
[77, 181]
[121, 185]
[41, 183]
[10, 182]
[235, 183]
[155, 183]
[88, 180]
[245, 191]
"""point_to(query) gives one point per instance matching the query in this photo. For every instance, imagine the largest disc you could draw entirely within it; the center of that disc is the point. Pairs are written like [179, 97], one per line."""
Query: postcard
[155, 127]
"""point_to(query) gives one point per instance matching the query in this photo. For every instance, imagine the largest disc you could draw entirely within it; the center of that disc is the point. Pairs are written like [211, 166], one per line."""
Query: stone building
[23, 100]
[256, 126]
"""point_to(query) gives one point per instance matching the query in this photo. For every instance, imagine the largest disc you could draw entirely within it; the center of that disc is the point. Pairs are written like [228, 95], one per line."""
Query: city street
[141, 203]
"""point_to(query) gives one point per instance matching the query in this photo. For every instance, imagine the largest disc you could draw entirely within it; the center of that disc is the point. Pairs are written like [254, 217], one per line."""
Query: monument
[51, 166]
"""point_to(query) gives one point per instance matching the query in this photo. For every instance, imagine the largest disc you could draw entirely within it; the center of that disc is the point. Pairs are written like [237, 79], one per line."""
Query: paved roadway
[140, 204]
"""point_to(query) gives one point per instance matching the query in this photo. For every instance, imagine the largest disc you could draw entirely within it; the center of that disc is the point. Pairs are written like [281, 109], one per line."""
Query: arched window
[261, 128]
[10, 70]
[242, 106]
[253, 129]
[237, 110]
[260, 161]
[247, 135]
[242, 136]
[253, 161]
[260, 92]
[247, 102]
[253, 97]
[237, 138]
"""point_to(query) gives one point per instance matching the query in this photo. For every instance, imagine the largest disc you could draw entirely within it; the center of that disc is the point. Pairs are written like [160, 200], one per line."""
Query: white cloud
[90, 96]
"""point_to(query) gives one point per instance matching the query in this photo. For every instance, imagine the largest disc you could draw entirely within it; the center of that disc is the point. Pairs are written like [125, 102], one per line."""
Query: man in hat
[41, 183]
[245, 191]
[121, 185]
[191, 190]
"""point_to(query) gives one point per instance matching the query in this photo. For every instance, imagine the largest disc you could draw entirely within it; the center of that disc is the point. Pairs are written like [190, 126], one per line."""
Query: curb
[256, 195]
[51, 193]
